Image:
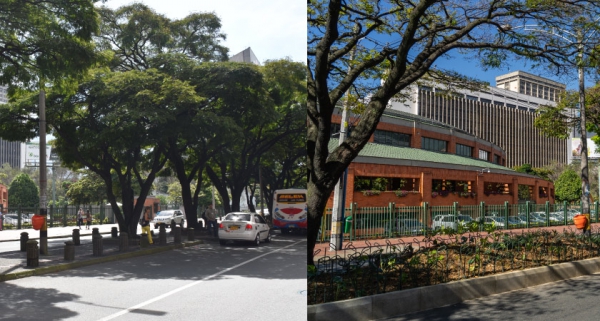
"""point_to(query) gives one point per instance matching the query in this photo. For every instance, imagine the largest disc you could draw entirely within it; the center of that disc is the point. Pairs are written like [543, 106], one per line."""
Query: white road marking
[160, 297]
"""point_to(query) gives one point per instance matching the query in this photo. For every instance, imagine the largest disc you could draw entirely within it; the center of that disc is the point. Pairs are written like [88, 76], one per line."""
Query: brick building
[4, 196]
[411, 159]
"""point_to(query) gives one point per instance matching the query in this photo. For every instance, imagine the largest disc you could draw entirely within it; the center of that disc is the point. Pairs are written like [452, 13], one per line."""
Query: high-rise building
[531, 85]
[10, 152]
[245, 55]
[501, 116]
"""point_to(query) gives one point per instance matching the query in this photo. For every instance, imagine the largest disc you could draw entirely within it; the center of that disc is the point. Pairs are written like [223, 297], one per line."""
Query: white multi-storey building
[501, 116]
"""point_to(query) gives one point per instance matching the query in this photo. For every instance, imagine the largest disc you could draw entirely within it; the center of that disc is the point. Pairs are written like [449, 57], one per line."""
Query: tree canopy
[23, 191]
[568, 186]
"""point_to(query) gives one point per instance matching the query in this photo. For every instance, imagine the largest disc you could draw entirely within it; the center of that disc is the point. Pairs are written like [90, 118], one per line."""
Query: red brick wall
[426, 175]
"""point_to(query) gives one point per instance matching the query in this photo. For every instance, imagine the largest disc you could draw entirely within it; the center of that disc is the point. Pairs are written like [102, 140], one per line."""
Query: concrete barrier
[397, 303]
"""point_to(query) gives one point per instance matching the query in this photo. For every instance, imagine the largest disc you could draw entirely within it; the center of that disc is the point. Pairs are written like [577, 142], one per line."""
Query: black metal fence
[386, 266]
[19, 217]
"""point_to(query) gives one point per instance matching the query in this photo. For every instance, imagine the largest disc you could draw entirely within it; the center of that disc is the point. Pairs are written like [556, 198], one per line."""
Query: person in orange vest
[146, 225]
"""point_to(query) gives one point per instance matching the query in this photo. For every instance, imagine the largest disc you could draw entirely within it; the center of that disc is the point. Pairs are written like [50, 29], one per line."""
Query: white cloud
[273, 28]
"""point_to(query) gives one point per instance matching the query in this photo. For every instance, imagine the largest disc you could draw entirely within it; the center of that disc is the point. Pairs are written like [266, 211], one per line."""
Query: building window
[511, 105]
[392, 138]
[497, 159]
[434, 144]
[469, 97]
[498, 103]
[483, 154]
[464, 150]
[487, 101]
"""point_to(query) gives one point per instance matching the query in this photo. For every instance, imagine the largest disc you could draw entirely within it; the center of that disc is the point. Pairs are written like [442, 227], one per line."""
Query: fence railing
[19, 217]
[392, 221]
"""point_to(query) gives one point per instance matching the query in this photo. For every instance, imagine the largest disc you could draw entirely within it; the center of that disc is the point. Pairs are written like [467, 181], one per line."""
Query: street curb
[397, 303]
[95, 260]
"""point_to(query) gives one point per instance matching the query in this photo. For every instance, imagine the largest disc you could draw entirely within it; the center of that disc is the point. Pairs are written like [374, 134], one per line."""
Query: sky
[470, 67]
[274, 29]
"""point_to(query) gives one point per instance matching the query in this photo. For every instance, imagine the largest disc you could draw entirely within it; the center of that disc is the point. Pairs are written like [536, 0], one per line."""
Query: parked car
[240, 226]
[410, 227]
[516, 221]
[450, 221]
[533, 219]
[11, 219]
[168, 217]
[497, 220]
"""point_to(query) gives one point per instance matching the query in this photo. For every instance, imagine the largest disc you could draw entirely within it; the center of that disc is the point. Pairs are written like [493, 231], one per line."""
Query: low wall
[429, 297]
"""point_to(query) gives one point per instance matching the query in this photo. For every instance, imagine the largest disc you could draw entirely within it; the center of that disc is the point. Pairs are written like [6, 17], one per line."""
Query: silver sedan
[239, 226]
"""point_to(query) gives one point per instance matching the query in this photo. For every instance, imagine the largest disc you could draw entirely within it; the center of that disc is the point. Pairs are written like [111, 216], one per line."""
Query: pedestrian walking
[146, 225]
[80, 218]
[88, 218]
[211, 217]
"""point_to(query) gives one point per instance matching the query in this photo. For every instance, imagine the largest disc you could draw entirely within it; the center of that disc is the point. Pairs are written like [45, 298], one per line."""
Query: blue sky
[470, 67]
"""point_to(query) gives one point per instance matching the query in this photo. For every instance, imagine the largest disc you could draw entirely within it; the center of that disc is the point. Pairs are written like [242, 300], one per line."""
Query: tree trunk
[316, 204]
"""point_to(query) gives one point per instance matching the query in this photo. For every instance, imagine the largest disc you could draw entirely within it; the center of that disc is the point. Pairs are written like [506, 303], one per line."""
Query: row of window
[485, 100]
[444, 187]
[436, 145]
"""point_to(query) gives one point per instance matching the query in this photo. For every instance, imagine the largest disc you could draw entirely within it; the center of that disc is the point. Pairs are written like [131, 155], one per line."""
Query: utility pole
[43, 170]
[339, 192]
[260, 183]
[585, 182]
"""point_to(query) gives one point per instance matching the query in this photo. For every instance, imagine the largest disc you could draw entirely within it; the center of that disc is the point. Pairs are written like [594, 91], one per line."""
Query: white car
[239, 226]
[168, 217]
[450, 221]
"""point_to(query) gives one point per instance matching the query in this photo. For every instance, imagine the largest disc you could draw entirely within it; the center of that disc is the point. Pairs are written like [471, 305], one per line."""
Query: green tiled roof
[407, 153]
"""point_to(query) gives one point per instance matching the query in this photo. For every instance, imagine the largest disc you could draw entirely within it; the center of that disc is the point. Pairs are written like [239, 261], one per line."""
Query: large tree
[140, 39]
[23, 192]
[270, 112]
[376, 49]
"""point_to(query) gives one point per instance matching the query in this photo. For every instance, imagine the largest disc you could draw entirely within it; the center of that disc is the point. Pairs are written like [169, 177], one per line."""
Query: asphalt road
[574, 299]
[202, 282]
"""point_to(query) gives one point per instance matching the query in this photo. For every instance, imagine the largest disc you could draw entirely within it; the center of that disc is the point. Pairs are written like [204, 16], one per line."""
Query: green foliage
[541, 172]
[524, 192]
[568, 186]
[23, 191]
[87, 190]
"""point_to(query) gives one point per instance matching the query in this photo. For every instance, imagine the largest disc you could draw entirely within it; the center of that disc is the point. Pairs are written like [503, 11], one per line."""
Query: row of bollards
[33, 252]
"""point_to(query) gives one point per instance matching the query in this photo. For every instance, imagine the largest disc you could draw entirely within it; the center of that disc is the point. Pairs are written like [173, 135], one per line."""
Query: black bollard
[177, 235]
[24, 239]
[162, 235]
[97, 247]
[69, 251]
[33, 254]
[114, 232]
[190, 233]
[76, 239]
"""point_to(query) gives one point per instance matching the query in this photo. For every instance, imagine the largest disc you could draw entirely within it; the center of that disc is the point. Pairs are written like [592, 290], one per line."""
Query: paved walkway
[13, 263]
[351, 247]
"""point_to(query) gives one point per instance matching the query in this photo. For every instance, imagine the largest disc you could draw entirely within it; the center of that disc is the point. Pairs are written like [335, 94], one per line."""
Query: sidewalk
[322, 249]
[13, 263]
